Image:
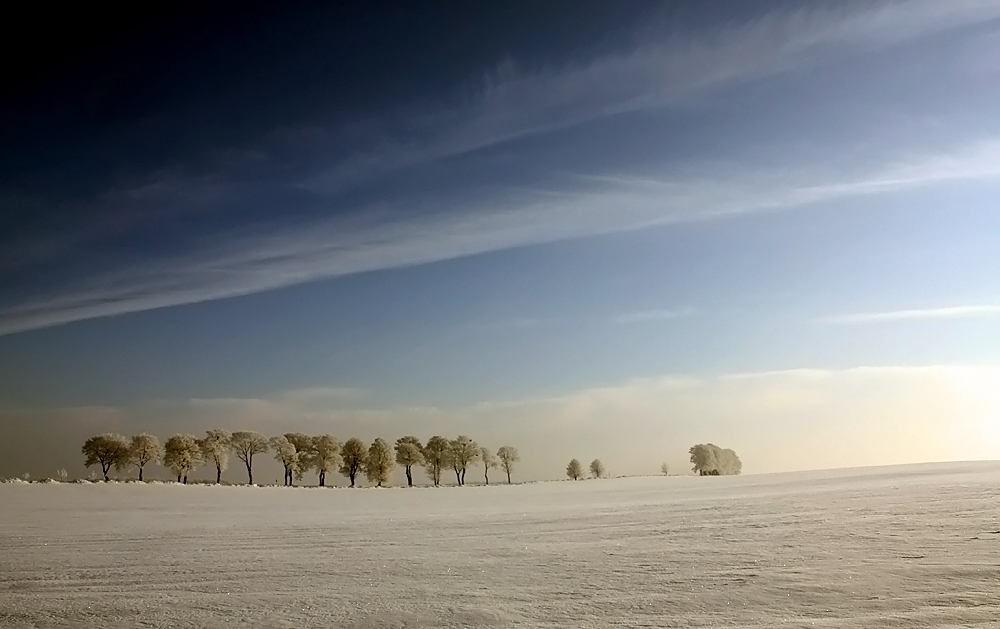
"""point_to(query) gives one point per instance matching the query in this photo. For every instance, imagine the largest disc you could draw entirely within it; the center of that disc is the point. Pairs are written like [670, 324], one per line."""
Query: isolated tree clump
[574, 470]
[353, 455]
[463, 452]
[144, 449]
[245, 444]
[215, 451]
[106, 450]
[597, 468]
[508, 457]
[409, 453]
[711, 460]
[181, 454]
[437, 456]
[325, 455]
[489, 460]
[380, 462]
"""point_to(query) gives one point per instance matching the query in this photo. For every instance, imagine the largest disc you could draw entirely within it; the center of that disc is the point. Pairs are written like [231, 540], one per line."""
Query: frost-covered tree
[709, 459]
[305, 457]
[409, 453]
[508, 457]
[144, 449]
[437, 456]
[325, 455]
[597, 468]
[463, 452]
[353, 455]
[245, 444]
[106, 450]
[574, 470]
[181, 454]
[380, 462]
[665, 469]
[215, 451]
[286, 454]
[489, 460]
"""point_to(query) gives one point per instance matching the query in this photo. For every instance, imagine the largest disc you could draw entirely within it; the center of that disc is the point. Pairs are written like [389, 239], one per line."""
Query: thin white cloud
[645, 316]
[948, 312]
[585, 206]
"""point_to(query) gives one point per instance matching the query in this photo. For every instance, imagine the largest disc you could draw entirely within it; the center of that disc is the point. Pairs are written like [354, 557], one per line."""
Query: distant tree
[304, 454]
[380, 462]
[665, 469]
[463, 452]
[144, 449]
[181, 455]
[286, 454]
[597, 468]
[489, 460]
[62, 475]
[409, 452]
[711, 460]
[215, 451]
[107, 450]
[245, 444]
[574, 470]
[325, 455]
[353, 455]
[437, 456]
[508, 457]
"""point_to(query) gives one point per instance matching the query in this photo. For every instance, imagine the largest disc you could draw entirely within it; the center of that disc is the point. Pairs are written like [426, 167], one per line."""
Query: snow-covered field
[914, 546]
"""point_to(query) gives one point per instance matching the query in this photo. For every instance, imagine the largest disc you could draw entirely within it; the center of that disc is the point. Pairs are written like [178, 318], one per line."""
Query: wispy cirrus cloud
[314, 218]
[572, 207]
[647, 316]
[916, 314]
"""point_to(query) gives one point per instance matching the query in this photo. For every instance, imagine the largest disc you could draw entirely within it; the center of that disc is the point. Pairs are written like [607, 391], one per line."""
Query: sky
[584, 229]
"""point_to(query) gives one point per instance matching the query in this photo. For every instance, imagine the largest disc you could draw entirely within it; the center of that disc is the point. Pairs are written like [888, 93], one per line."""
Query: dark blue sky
[510, 218]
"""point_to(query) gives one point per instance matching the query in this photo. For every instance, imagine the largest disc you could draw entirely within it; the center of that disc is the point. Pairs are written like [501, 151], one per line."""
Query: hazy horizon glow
[560, 229]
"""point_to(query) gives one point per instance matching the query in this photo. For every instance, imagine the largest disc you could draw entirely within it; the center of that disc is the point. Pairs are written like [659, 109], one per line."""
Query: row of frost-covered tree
[298, 455]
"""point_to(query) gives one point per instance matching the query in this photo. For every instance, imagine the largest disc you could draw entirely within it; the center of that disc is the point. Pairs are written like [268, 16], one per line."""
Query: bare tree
[711, 460]
[463, 452]
[597, 468]
[437, 456]
[285, 453]
[665, 469]
[144, 449]
[353, 455]
[574, 470]
[107, 450]
[380, 462]
[245, 444]
[508, 456]
[215, 451]
[181, 454]
[489, 460]
[409, 452]
[325, 455]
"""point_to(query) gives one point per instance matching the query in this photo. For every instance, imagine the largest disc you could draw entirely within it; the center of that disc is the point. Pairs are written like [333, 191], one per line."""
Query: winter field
[911, 546]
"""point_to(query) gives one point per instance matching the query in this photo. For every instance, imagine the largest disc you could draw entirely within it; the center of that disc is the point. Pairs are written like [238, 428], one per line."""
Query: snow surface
[911, 546]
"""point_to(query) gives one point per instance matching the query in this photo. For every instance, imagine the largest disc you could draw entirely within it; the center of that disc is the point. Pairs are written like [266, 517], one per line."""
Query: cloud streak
[582, 206]
[893, 316]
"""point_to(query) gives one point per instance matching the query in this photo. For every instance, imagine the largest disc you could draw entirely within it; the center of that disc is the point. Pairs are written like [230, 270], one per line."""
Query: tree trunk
[218, 474]
[104, 470]
[508, 477]
[463, 475]
[458, 476]
[249, 472]
[352, 478]
[322, 478]
[185, 479]
[140, 473]
[486, 473]
[178, 478]
[409, 477]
